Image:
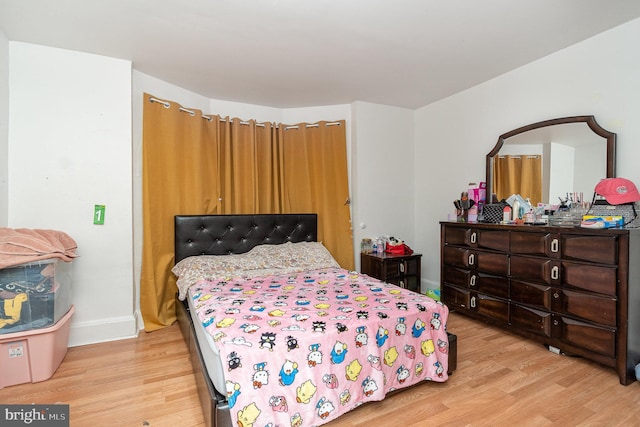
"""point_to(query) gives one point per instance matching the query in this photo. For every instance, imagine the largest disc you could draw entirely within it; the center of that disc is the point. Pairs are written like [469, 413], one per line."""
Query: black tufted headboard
[236, 234]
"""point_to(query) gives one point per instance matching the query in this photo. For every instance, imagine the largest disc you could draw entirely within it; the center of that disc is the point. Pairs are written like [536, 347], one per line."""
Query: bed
[292, 339]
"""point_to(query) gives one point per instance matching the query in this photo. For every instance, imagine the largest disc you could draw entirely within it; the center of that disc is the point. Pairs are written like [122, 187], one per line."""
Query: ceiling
[298, 53]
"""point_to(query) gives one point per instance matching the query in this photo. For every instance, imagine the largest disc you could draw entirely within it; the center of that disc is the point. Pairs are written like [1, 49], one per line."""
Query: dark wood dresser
[576, 290]
[400, 270]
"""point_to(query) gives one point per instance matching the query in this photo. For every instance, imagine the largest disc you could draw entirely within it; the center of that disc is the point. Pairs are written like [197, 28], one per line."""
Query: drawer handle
[472, 259]
[473, 302]
[555, 322]
[402, 267]
[555, 272]
[402, 285]
[556, 295]
[554, 246]
[472, 281]
[473, 237]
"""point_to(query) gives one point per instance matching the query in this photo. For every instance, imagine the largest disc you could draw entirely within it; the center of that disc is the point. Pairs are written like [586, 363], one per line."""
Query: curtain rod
[519, 156]
[314, 125]
[159, 101]
[192, 113]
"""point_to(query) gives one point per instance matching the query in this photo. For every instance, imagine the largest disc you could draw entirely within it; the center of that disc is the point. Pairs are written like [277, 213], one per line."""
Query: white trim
[102, 330]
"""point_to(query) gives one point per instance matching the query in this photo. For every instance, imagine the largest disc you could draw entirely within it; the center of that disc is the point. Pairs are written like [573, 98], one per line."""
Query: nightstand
[400, 270]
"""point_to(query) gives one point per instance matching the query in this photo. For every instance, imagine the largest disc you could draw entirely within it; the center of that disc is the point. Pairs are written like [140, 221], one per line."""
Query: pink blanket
[302, 349]
[22, 245]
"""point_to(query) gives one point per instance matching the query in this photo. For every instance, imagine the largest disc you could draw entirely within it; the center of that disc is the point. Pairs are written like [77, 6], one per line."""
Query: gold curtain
[179, 149]
[316, 180]
[248, 169]
[521, 174]
[194, 164]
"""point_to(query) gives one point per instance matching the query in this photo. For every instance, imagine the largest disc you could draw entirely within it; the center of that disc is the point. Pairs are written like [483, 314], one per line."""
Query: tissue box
[34, 295]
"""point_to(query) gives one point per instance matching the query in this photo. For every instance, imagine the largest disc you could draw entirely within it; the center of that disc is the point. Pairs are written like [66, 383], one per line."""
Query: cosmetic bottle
[506, 214]
[516, 210]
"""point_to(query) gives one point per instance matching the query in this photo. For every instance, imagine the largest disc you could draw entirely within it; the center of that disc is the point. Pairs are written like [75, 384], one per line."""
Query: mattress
[315, 344]
[209, 351]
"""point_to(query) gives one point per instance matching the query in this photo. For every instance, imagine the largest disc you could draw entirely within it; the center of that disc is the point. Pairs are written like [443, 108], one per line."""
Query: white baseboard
[139, 320]
[112, 329]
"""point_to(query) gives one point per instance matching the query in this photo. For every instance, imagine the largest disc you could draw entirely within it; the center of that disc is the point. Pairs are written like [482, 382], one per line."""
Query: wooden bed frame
[235, 234]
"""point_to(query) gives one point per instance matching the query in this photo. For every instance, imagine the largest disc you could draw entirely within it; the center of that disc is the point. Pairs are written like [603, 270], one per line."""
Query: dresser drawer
[455, 297]
[598, 249]
[532, 269]
[493, 285]
[494, 308]
[594, 278]
[540, 244]
[531, 320]
[532, 294]
[587, 306]
[461, 277]
[474, 238]
[406, 282]
[487, 262]
[595, 338]
[401, 267]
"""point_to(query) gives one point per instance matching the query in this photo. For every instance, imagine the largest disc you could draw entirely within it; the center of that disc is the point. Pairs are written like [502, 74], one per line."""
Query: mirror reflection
[549, 161]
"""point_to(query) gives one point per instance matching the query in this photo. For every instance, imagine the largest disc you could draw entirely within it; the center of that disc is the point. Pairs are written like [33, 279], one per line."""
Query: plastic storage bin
[33, 356]
[34, 295]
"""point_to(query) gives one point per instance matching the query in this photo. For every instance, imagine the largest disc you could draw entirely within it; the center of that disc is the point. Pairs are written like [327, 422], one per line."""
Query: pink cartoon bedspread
[302, 349]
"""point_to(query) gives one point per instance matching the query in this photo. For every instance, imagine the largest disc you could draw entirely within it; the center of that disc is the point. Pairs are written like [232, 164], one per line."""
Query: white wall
[598, 76]
[70, 149]
[4, 129]
[382, 178]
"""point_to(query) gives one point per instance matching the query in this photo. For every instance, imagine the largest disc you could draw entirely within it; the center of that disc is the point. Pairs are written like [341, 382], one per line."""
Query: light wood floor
[502, 380]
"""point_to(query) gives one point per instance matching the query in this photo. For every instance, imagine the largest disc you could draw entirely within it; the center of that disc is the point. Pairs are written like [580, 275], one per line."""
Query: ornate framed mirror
[575, 153]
